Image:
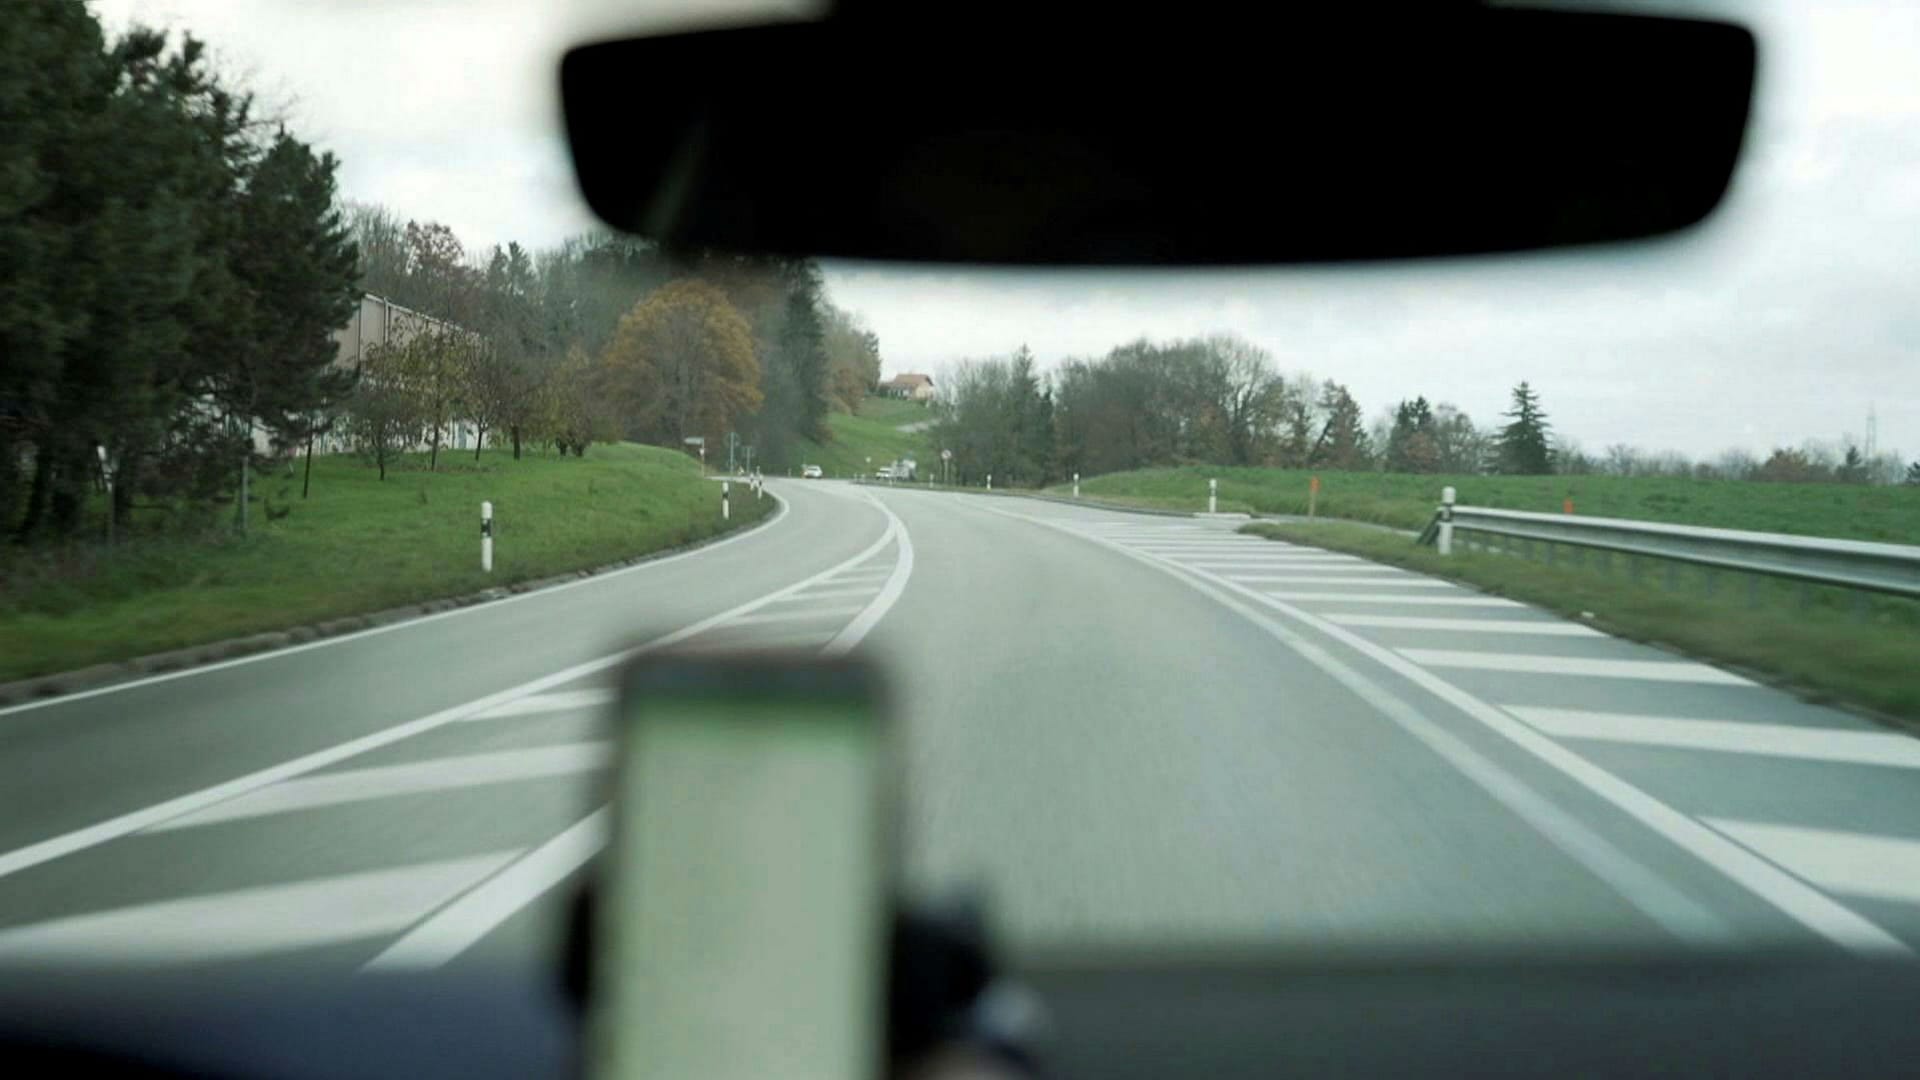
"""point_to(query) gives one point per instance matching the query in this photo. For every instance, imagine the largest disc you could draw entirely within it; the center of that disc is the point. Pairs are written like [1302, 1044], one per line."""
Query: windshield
[344, 457]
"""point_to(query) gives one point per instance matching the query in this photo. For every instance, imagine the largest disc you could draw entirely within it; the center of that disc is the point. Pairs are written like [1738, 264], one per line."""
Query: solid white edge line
[863, 624]
[779, 513]
[1666, 904]
[450, 931]
[19, 859]
[443, 936]
[1806, 905]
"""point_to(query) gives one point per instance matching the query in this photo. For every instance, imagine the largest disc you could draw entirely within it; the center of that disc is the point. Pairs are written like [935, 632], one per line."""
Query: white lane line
[857, 630]
[1727, 736]
[834, 594]
[1470, 600]
[252, 921]
[1848, 863]
[1276, 561]
[1669, 907]
[391, 781]
[800, 615]
[1383, 574]
[452, 931]
[1308, 579]
[1683, 671]
[454, 928]
[545, 703]
[491, 605]
[1534, 627]
[80, 839]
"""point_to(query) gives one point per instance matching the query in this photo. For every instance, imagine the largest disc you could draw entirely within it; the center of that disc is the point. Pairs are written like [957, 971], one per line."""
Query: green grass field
[1830, 644]
[1889, 514]
[874, 433]
[356, 545]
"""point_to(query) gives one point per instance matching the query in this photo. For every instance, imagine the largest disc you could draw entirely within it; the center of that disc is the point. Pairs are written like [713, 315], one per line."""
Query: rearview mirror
[1109, 140]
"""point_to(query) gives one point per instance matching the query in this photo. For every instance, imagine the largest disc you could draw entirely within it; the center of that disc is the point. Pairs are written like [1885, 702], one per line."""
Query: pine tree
[1522, 445]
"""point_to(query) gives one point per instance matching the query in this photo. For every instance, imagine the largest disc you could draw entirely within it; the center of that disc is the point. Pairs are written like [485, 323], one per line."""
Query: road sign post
[486, 537]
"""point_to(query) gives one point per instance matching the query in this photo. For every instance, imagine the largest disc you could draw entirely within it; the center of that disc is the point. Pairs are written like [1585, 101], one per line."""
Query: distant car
[811, 472]
[884, 472]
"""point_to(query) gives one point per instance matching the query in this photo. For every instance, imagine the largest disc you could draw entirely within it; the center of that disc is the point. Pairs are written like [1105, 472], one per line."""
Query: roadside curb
[97, 676]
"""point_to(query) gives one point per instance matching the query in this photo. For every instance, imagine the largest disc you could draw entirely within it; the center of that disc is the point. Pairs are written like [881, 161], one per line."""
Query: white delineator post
[1076, 485]
[726, 500]
[1213, 496]
[1444, 540]
[989, 481]
[486, 537]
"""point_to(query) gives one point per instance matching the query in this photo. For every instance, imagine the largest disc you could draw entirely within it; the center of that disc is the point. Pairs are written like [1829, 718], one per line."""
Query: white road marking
[454, 928]
[391, 781]
[797, 615]
[1376, 574]
[1261, 560]
[834, 594]
[1541, 627]
[1470, 600]
[544, 703]
[1309, 579]
[1882, 748]
[491, 605]
[253, 921]
[80, 839]
[1848, 863]
[857, 630]
[1666, 905]
[1685, 671]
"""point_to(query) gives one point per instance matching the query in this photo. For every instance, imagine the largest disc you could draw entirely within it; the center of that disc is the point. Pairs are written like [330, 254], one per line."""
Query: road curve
[1127, 729]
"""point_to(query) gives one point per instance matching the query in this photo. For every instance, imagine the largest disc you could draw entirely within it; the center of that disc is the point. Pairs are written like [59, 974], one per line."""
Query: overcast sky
[1790, 315]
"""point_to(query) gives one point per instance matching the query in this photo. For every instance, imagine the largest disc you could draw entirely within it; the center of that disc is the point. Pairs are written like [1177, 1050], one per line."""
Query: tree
[1523, 445]
[1853, 467]
[1789, 466]
[383, 415]
[1342, 443]
[293, 253]
[1913, 474]
[1411, 445]
[853, 359]
[682, 363]
[436, 363]
[1459, 446]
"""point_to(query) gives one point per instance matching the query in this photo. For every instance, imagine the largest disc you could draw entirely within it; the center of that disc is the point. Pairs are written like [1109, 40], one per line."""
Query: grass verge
[1828, 645]
[1402, 500]
[356, 545]
[874, 433]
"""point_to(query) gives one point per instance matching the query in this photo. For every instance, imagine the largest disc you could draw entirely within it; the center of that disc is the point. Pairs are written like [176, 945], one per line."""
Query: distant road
[1131, 728]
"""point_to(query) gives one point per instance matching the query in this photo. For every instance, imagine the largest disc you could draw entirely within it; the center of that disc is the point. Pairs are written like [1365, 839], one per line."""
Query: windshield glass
[344, 456]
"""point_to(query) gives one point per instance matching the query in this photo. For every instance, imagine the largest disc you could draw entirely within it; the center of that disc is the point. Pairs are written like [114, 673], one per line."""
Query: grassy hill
[356, 545]
[874, 433]
[1888, 514]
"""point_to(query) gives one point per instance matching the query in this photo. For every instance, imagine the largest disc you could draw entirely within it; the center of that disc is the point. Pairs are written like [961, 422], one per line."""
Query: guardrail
[1854, 564]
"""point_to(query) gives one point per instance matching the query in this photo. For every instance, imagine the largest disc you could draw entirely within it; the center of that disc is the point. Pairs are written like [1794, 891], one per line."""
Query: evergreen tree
[1522, 445]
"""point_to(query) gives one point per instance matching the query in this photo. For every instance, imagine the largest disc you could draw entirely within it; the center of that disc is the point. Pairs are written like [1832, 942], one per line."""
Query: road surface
[1128, 729]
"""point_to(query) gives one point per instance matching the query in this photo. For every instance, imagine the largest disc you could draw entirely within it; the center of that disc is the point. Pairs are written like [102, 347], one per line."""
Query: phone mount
[943, 989]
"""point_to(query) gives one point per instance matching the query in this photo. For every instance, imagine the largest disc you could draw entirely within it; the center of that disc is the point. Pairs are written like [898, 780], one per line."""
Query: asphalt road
[1126, 729]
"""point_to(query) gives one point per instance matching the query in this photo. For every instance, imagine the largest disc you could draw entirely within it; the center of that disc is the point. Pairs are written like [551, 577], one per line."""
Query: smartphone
[743, 925]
